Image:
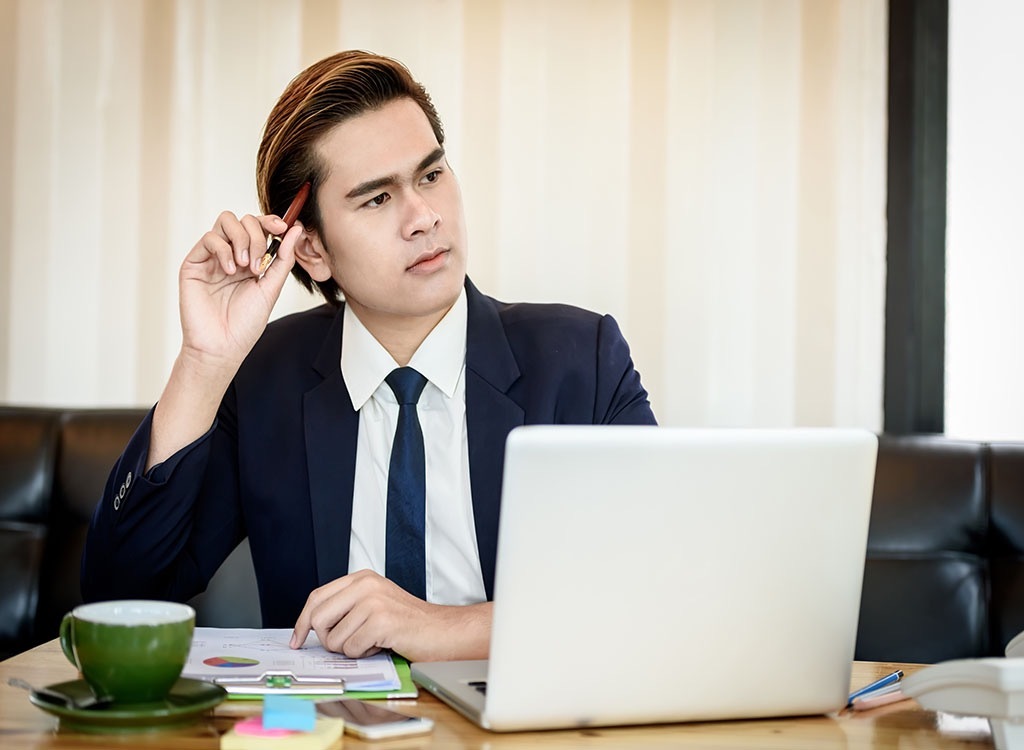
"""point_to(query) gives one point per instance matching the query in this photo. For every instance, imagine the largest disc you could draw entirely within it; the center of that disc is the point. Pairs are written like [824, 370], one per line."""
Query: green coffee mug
[132, 651]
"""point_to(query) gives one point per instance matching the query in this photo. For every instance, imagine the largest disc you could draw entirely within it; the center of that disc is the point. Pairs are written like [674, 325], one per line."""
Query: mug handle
[65, 640]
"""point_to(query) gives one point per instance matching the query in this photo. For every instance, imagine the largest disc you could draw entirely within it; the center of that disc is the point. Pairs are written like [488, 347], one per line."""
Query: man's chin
[415, 303]
[440, 303]
[437, 292]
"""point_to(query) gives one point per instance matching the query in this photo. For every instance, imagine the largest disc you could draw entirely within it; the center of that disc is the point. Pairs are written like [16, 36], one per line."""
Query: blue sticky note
[288, 712]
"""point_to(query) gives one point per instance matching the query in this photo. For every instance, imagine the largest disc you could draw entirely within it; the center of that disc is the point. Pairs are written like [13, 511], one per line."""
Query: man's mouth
[429, 261]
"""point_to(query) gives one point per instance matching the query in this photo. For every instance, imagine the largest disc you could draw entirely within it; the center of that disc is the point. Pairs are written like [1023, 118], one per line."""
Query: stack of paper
[260, 661]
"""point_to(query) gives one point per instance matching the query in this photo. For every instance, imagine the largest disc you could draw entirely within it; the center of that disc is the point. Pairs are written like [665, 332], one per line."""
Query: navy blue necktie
[405, 558]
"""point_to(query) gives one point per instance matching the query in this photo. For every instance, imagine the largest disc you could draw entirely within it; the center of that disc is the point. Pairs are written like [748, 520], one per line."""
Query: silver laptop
[655, 574]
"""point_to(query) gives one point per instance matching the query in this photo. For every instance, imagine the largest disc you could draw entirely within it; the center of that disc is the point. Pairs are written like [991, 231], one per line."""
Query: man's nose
[420, 216]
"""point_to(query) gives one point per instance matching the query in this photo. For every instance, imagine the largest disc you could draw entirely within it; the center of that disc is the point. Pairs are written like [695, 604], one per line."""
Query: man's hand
[224, 304]
[363, 613]
[224, 307]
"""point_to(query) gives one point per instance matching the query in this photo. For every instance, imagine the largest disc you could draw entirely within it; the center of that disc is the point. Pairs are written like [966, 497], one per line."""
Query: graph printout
[225, 654]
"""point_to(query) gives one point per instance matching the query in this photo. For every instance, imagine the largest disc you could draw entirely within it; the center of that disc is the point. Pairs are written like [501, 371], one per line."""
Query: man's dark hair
[325, 94]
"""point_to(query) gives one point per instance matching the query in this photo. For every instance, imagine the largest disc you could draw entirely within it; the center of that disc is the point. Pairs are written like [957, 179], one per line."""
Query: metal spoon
[62, 699]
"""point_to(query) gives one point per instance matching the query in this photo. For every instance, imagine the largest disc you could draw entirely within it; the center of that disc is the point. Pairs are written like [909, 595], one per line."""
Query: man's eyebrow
[371, 186]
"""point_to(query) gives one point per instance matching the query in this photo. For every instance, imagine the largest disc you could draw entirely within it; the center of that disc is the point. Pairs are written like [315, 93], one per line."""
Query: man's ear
[311, 254]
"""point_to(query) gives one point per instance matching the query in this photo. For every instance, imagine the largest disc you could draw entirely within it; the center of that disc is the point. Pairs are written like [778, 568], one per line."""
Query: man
[283, 432]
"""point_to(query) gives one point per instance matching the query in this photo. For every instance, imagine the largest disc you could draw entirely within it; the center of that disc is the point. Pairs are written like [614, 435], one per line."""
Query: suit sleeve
[620, 397]
[162, 534]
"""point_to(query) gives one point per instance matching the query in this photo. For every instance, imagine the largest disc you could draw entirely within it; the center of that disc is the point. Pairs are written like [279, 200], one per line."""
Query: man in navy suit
[283, 432]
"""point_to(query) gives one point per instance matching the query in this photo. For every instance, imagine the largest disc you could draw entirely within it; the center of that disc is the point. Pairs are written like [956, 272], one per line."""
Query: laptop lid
[653, 574]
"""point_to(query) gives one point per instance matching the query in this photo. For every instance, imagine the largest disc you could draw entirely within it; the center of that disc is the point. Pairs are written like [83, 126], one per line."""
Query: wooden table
[899, 725]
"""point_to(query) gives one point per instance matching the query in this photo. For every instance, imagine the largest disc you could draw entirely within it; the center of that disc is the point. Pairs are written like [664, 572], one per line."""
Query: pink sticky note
[253, 727]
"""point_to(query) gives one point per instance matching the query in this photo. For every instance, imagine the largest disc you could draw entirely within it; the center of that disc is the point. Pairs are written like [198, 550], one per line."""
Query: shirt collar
[440, 358]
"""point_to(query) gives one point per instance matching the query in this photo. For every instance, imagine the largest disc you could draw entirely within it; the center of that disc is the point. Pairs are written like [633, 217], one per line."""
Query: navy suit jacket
[279, 462]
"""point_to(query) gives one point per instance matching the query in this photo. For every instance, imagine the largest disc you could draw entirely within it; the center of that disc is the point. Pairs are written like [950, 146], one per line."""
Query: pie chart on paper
[230, 661]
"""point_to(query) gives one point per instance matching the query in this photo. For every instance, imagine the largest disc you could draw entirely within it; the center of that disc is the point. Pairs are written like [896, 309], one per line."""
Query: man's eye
[433, 176]
[378, 200]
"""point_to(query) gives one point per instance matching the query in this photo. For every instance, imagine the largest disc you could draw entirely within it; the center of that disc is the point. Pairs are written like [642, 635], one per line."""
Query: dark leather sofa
[53, 466]
[944, 576]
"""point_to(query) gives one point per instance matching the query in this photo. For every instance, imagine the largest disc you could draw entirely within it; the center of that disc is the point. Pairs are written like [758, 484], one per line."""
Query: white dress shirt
[453, 574]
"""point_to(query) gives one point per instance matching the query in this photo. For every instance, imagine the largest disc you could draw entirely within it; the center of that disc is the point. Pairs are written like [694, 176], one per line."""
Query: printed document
[262, 657]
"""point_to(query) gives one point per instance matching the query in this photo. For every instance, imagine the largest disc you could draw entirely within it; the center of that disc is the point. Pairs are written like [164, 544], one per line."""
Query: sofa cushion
[28, 448]
[923, 609]
[90, 442]
[21, 554]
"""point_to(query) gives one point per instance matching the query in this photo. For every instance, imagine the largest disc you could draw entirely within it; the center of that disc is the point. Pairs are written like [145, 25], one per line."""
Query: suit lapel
[491, 370]
[332, 427]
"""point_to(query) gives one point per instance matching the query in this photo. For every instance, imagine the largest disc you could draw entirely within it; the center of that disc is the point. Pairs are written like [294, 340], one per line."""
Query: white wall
[985, 241]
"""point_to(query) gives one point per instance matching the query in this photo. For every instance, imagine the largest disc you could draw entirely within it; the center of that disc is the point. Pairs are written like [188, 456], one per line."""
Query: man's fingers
[213, 244]
[242, 242]
[357, 641]
[349, 634]
[278, 271]
[358, 615]
[333, 618]
[272, 224]
[301, 631]
[269, 226]
[304, 622]
[255, 243]
[230, 228]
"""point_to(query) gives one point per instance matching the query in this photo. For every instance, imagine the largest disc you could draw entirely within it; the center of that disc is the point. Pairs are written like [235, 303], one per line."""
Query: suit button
[128, 480]
[117, 503]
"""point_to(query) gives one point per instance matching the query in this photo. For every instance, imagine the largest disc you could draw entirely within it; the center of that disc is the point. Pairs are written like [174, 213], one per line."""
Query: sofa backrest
[944, 576]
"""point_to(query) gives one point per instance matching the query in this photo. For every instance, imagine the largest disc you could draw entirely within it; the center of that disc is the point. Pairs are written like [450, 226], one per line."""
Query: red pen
[289, 219]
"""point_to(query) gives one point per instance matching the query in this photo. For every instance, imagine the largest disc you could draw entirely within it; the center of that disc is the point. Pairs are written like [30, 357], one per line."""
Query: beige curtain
[711, 173]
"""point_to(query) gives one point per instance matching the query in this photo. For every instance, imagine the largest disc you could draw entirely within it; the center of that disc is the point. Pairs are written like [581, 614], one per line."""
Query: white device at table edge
[991, 687]
[656, 574]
